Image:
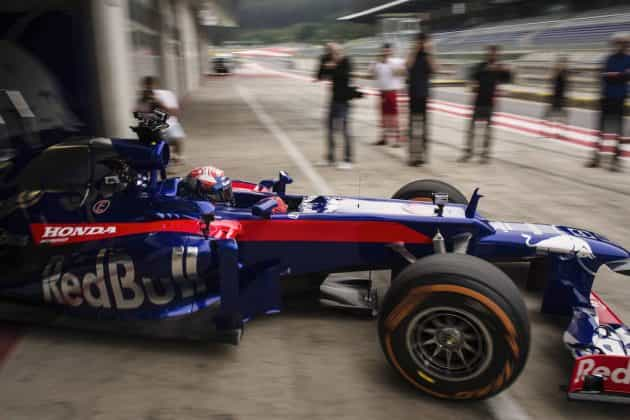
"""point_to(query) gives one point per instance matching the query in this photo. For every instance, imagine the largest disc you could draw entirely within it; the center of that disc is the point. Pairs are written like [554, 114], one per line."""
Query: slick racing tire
[423, 190]
[455, 327]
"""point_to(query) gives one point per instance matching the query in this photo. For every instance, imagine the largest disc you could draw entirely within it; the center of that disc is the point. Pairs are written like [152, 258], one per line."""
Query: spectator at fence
[615, 76]
[152, 98]
[388, 73]
[335, 66]
[421, 66]
[485, 76]
[559, 80]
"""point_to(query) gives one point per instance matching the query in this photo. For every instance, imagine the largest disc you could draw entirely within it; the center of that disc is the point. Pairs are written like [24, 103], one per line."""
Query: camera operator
[152, 98]
[336, 67]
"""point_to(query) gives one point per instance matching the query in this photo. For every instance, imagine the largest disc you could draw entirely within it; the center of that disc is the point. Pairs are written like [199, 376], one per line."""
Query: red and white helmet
[211, 183]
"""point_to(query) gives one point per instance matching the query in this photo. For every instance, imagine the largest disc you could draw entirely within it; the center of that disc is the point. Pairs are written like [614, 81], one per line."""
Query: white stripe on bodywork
[499, 226]
[534, 229]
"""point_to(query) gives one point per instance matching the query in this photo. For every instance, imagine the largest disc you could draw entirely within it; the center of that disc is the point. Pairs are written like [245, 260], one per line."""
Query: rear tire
[455, 327]
[423, 190]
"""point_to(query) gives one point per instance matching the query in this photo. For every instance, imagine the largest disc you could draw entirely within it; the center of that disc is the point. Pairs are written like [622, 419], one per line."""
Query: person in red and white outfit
[388, 74]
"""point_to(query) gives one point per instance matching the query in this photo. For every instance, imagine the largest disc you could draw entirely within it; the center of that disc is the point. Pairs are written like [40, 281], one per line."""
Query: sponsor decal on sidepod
[115, 283]
[64, 233]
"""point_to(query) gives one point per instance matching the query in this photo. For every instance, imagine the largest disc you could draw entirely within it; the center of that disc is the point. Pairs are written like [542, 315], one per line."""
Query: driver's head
[210, 183]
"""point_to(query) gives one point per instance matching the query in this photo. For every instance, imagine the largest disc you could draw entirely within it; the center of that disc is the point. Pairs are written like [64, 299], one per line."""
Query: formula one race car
[95, 234]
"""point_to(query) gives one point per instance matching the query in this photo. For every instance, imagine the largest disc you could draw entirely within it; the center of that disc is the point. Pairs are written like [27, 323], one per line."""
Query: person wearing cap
[614, 75]
[388, 74]
[421, 66]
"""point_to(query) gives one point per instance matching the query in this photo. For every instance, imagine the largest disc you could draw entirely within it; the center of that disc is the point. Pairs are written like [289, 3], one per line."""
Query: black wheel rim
[449, 343]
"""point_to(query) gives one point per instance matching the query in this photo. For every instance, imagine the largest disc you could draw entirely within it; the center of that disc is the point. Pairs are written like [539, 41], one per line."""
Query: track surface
[310, 362]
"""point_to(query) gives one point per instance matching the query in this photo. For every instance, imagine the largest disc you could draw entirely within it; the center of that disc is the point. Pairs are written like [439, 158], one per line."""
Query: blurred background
[92, 53]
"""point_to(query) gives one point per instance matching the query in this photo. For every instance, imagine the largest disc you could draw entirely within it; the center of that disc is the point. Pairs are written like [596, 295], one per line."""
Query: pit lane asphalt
[310, 362]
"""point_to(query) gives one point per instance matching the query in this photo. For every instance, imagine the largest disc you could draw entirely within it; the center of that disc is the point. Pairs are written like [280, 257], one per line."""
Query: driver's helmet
[210, 183]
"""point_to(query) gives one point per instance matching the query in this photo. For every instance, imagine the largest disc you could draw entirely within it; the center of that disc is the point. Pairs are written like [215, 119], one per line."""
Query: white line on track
[504, 407]
[285, 141]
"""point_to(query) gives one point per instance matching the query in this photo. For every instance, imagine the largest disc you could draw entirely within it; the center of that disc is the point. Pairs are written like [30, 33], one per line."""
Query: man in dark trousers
[486, 76]
[420, 65]
[615, 76]
[336, 67]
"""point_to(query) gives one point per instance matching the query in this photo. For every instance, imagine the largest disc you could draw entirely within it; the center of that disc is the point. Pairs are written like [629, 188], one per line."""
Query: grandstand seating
[576, 32]
[573, 35]
[530, 46]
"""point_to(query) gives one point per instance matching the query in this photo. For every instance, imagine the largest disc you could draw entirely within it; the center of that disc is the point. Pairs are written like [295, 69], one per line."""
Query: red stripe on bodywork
[68, 233]
[250, 230]
[243, 185]
[604, 313]
[329, 231]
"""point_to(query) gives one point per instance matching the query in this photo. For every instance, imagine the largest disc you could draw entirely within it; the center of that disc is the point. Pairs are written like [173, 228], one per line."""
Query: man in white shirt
[388, 73]
[152, 98]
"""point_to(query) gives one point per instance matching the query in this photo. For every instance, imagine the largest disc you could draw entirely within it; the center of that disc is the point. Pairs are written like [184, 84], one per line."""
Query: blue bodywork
[120, 241]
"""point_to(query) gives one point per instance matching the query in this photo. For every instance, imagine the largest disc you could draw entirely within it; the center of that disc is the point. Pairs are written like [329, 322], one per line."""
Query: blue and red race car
[94, 234]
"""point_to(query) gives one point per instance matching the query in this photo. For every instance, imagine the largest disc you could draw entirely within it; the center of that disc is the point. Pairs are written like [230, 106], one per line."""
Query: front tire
[455, 327]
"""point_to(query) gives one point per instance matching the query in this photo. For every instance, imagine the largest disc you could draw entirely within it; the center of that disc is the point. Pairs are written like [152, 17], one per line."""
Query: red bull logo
[615, 370]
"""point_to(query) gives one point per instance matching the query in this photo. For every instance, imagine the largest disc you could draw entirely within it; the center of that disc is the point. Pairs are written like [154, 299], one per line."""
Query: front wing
[600, 343]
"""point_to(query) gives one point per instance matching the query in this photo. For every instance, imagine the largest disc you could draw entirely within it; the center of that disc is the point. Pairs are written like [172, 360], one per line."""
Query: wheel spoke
[468, 347]
[462, 358]
[437, 351]
[428, 342]
[438, 322]
[449, 355]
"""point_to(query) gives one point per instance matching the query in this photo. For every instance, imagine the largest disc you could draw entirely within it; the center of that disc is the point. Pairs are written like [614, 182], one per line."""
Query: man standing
[336, 67]
[615, 76]
[486, 76]
[421, 66]
[559, 80]
[388, 72]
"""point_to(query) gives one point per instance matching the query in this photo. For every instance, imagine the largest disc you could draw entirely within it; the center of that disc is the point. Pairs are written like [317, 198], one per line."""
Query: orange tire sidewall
[407, 307]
